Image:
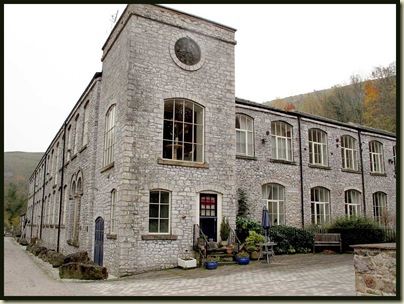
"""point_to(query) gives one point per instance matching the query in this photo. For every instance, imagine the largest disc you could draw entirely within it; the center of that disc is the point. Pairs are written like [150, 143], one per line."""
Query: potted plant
[251, 242]
[243, 257]
[212, 263]
[224, 231]
[186, 262]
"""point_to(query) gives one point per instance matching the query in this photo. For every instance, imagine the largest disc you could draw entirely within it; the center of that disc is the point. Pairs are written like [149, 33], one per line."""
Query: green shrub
[358, 230]
[244, 225]
[291, 239]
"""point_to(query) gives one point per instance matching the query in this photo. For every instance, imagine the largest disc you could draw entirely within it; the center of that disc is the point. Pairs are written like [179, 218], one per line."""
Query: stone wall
[375, 269]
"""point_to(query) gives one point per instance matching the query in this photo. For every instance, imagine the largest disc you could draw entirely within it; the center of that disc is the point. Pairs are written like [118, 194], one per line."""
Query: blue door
[99, 241]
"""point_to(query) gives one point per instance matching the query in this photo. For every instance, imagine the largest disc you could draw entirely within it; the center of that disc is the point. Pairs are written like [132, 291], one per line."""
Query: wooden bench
[327, 239]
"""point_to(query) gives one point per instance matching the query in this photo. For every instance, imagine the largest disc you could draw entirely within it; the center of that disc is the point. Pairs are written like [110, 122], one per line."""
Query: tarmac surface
[297, 275]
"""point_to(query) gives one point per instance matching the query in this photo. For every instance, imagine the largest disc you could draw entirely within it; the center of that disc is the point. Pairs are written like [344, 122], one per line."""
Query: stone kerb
[375, 269]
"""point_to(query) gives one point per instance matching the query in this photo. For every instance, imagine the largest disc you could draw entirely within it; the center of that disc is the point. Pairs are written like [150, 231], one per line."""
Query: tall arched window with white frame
[349, 153]
[244, 135]
[113, 228]
[380, 208]
[281, 134]
[352, 203]
[320, 206]
[109, 136]
[273, 196]
[318, 154]
[376, 157]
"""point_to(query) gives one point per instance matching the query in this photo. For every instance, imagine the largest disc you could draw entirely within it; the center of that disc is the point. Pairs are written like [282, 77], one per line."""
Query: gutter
[43, 196]
[362, 173]
[301, 169]
[61, 187]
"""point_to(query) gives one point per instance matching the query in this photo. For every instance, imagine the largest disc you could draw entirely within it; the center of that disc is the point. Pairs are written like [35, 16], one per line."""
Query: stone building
[157, 146]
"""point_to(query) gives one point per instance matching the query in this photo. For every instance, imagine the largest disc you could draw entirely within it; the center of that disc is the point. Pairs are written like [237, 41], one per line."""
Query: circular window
[187, 51]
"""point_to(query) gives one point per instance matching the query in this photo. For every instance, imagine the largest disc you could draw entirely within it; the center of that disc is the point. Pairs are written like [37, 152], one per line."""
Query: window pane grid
[349, 153]
[109, 137]
[159, 212]
[320, 206]
[244, 135]
[273, 198]
[352, 203]
[318, 147]
[281, 140]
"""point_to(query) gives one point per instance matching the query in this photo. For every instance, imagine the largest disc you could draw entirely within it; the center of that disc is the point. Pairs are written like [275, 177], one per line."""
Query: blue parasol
[266, 224]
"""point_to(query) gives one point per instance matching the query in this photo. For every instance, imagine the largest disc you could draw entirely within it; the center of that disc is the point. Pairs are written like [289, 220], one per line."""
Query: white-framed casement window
[113, 229]
[349, 153]
[244, 135]
[183, 130]
[380, 207]
[281, 134]
[273, 196]
[69, 142]
[109, 136]
[318, 147]
[56, 167]
[85, 125]
[376, 157]
[394, 158]
[352, 203]
[320, 206]
[76, 135]
[65, 201]
[159, 211]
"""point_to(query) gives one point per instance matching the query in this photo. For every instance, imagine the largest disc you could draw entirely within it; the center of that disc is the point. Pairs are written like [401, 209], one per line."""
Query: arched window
[320, 206]
[281, 133]
[352, 203]
[380, 207]
[183, 130]
[376, 157]
[159, 211]
[349, 153]
[318, 147]
[273, 196]
[85, 125]
[76, 135]
[109, 136]
[244, 135]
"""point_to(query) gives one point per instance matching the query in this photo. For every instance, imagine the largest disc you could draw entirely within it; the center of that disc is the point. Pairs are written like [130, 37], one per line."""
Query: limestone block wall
[375, 269]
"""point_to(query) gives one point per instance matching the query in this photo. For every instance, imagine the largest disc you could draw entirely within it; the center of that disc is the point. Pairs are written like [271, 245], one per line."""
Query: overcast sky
[51, 52]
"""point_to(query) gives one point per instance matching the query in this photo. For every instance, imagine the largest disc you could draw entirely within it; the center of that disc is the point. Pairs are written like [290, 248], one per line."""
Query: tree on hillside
[345, 103]
[380, 98]
[13, 203]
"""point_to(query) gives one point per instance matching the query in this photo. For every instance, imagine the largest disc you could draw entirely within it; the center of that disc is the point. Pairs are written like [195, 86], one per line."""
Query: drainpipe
[43, 196]
[362, 173]
[61, 188]
[301, 170]
[33, 206]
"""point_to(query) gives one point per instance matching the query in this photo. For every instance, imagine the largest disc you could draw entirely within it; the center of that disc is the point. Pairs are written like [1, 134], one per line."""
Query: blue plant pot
[211, 265]
[243, 261]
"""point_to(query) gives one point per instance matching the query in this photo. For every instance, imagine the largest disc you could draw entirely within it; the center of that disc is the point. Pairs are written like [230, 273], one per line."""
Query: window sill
[377, 174]
[351, 171]
[151, 237]
[282, 161]
[170, 162]
[107, 167]
[111, 236]
[246, 157]
[319, 167]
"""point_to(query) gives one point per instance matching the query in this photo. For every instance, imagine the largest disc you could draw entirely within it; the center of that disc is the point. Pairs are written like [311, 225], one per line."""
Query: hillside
[19, 166]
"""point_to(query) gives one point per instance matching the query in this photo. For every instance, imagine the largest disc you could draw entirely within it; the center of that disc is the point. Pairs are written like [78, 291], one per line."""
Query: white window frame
[349, 153]
[282, 144]
[318, 150]
[76, 135]
[379, 206]
[352, 203]
[244, 135]
[109, 136]
[85, 125]
[320, 206]
[376, 157]
[69, 142]
[177, 144]
[113, 228]
[273, 196]
[159, 218]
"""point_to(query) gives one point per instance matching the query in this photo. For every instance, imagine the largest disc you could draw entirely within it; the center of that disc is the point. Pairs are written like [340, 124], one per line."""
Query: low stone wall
[375, 269]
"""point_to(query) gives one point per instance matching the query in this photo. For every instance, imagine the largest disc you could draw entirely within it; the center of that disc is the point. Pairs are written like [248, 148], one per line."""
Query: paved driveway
[286, 275]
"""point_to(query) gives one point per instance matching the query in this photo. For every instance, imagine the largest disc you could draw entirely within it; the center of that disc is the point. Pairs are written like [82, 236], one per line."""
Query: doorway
[208, 215]
[99, 241]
